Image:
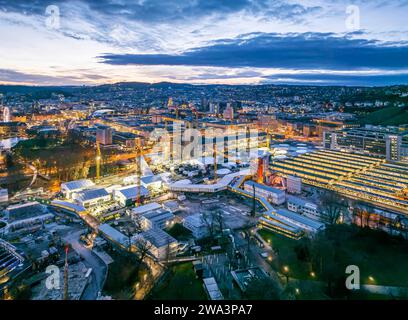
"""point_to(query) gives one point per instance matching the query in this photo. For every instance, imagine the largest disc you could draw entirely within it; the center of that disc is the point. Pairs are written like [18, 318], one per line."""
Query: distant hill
[392, 116]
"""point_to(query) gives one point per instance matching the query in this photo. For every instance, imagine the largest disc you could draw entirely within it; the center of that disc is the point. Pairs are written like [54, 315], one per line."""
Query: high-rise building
[213, 107]
[104, 135]
[170, 102]
[204, 105]
[228, 112]
[393, 147]
[294, 184]
[4, 197]
[6, 114]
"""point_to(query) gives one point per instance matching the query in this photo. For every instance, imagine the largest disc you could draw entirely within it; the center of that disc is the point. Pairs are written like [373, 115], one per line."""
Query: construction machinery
[215, 161]
[66, 297]
[98, 159]
[268, 138]
[138, 170]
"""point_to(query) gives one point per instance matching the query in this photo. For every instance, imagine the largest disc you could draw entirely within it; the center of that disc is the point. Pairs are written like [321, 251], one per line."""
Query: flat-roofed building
[68, 188]
[274, 195]
[153, 182]
[4, 195]
[104, 135]
[161, 245]
[294, 184]
[356, 176]
[140, 210]
[307, 224]
[114, 235]
[212, 289]
[371, 140]
[92, 197]
[281, 226]
[158, 218]
[171, 205]
[303, 207]
[128, 195]
[196, 224]
[24, 215]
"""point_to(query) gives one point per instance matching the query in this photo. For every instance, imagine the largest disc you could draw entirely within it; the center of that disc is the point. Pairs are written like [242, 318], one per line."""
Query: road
[255, 256]
[91, 260]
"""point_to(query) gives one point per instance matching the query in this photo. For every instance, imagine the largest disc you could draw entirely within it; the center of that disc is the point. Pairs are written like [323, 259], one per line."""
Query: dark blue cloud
[335, 79]
[172, 11]
[295, 51]
[8, 75]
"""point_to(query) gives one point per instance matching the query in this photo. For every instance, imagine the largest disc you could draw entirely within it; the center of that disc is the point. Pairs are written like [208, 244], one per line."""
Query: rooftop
[78, 184]
[130, 192]
[113, 234]
[146, 208]
[300, 219]
[157, 237]
[93, 194]
[262, 186]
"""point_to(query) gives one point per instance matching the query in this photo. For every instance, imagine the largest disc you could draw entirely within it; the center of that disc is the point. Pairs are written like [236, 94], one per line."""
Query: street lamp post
[286, 272]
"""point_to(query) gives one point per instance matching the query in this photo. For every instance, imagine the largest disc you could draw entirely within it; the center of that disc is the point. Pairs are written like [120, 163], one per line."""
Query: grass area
[387, 116]
[378, 255]
[179, 232]
[182, 284]
[122, 277]
[285, 250]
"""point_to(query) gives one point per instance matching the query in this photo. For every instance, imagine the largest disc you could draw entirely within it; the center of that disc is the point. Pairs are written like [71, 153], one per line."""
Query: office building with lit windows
[380, 141]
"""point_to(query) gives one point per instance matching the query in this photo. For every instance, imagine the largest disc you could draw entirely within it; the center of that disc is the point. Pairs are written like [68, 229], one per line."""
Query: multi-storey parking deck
[353, 175]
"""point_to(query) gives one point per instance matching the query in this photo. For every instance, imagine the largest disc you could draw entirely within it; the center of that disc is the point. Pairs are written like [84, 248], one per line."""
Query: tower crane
[215, 161]
[98, 159]
[138, 170]
[66, 297]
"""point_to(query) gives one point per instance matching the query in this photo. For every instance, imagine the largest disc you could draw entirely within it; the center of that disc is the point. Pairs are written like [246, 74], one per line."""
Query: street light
[312, 274]
[286, 271]
[371, 279]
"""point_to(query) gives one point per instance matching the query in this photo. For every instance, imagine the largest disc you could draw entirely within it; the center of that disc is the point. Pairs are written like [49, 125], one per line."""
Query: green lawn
[285, 247]
[182, 284]
[377, 255]
[122, 277]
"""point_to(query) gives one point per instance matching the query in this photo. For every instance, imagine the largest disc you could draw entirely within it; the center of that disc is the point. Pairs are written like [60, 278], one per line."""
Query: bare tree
[263, 289]
[208, 220]
[142, 249]
[333, 207]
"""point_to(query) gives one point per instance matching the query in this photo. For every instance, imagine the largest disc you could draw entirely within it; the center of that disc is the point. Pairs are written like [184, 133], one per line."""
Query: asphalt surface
[91, 260]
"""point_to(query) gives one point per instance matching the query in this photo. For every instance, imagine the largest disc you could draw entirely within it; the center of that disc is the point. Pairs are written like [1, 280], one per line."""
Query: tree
[214, 221]
[324, 253]
[302, 250]
[262, 289]
[333, 206]
[142, 249]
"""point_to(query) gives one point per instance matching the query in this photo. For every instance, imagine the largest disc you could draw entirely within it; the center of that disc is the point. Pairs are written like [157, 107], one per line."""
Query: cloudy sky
[334, 42]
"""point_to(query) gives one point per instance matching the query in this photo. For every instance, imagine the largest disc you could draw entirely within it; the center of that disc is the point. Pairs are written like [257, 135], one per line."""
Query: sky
[318, 42]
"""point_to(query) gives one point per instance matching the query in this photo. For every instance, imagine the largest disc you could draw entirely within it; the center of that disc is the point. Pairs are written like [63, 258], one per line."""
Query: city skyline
[204, 42]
